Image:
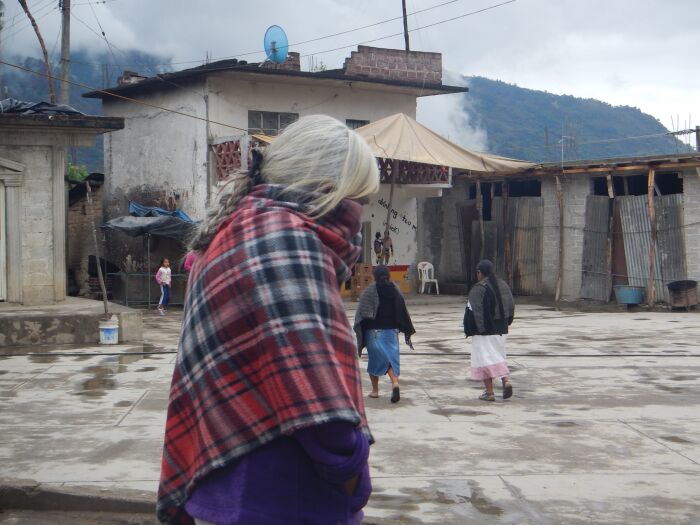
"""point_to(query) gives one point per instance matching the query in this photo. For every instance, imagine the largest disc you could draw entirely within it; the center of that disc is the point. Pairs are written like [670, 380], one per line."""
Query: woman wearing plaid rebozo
[266, 422]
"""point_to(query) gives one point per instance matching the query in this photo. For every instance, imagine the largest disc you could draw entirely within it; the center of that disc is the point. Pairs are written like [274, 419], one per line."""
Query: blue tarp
[153, 211]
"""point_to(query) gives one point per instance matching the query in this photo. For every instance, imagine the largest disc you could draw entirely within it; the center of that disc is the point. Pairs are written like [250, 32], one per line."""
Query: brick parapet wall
[292, 63]
[395, 64]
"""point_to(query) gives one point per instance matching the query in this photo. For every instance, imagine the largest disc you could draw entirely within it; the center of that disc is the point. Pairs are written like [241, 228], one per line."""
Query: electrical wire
[92, 8]
[316, 39]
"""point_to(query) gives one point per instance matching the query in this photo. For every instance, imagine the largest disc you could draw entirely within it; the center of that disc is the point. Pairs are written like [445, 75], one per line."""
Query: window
[354, 123]
[269, 122]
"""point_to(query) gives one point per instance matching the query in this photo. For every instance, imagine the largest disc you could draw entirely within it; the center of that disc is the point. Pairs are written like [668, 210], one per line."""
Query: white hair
[316, 154]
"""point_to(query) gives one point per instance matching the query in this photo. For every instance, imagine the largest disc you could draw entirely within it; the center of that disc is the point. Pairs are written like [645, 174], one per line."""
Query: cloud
[449, 115]
[597, 48]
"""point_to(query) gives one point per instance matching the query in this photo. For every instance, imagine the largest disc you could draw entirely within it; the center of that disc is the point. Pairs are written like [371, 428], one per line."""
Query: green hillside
[528, 124]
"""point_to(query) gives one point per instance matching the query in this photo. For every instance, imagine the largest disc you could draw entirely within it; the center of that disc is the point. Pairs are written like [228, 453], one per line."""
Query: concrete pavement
[603, 427]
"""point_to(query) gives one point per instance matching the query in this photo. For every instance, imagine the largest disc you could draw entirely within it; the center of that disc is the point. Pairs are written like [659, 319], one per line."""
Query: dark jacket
[386, 302]
[491, 313]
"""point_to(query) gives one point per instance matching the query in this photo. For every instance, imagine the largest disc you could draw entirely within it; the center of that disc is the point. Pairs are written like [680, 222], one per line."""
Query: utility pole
[405, 25]
[64, 97]
[2, 23]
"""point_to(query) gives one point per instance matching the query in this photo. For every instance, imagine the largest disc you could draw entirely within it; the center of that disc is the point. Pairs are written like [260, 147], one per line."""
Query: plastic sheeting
[153, 211]
[20, 107]
[162, 226]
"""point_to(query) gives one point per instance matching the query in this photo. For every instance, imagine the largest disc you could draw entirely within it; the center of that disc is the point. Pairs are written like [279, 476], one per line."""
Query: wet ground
[604, 426]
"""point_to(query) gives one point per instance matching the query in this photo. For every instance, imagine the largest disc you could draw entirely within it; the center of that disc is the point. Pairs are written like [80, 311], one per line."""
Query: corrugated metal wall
[670, 246]
[526, 215]
[669, 237]
[595, 278]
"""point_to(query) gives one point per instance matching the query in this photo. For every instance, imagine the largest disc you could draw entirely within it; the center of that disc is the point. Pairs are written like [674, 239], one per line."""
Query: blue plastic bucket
[109, 332]
[629, 294]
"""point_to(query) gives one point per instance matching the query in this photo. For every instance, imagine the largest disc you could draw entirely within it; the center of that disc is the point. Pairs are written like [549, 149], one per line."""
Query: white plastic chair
[426, 275]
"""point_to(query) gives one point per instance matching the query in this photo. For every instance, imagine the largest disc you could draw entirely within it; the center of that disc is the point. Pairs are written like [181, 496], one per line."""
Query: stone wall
[39, 276]
[575, 189]
[691, 221]
[395, 64]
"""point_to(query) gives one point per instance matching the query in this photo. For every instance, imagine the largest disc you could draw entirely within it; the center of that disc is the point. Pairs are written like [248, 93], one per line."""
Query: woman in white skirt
[488, 315]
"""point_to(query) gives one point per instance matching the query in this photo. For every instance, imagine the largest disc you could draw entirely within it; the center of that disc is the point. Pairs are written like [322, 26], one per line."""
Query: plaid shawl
[266, 347]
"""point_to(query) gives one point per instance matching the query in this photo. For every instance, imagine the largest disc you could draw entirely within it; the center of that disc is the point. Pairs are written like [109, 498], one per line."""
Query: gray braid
[237, 186]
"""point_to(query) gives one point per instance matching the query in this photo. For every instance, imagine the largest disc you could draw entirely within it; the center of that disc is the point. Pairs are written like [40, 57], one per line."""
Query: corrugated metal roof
[595, 265]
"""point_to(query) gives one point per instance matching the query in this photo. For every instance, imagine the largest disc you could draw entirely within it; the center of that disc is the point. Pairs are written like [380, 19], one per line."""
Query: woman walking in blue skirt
[380, 316]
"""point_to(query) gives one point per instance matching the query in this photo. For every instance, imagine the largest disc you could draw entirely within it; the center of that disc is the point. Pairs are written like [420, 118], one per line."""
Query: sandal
[487, 396]
[395, 394]
[373, 396]
[507, 389]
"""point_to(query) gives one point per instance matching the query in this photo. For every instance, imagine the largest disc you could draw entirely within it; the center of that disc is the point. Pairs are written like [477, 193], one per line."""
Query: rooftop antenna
[276, 44]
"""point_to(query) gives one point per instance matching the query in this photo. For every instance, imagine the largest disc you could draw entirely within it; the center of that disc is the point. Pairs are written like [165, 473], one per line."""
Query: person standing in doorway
[380, 316]
[387, 248]
[378, 247]
[488, 315]
[164, 280]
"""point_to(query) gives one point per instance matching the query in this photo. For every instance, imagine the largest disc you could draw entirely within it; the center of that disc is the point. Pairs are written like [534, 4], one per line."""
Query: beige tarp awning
[402, 138]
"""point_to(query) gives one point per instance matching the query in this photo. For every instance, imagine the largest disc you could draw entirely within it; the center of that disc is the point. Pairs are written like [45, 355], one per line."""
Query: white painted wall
[158, 155]
[403, 223]
[231, 99]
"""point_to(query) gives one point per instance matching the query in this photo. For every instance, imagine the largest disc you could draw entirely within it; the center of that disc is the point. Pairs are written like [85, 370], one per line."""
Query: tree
[47, 64]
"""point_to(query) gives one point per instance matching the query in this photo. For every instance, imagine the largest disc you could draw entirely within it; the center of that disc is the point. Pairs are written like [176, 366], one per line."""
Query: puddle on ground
[43, 358]
[442, 493]
[675, 439]
[123, 404]
[458, 412]
[683, 378]
[565, 424]
[102, 380]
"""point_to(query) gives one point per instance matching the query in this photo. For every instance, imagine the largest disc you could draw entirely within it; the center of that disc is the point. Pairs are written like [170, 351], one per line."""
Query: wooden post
[394, 169]
[611, 205]
[508, 277]
[480, 211]
[65, 52]
[560, 204]
[100, 277]
[651, 212]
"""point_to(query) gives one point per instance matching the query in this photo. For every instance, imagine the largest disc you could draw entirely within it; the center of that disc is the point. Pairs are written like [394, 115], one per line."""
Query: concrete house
[573, 231]
[173, 161]
[33, 201]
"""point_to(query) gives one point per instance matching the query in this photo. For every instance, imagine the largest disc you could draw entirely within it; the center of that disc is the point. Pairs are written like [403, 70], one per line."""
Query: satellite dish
[276, 44]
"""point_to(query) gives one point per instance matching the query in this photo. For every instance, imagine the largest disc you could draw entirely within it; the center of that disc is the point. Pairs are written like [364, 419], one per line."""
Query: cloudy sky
[641, 53]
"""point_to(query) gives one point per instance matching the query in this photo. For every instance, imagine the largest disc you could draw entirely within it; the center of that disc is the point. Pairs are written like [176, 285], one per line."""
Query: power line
[102, 30]
[121, 97]
[381, 22]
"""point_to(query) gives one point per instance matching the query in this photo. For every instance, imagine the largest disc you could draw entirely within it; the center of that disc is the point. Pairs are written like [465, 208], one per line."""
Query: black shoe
[507, 390]
[395, 394]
